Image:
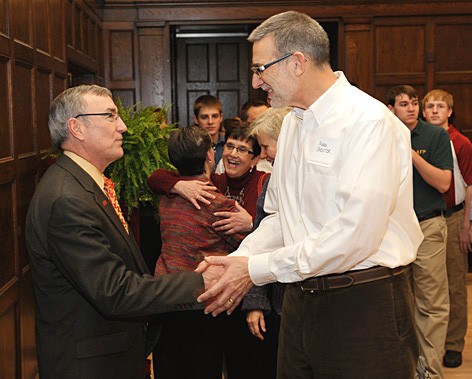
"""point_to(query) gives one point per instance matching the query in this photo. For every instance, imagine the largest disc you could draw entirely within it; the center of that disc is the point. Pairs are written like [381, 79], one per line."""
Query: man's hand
[194, 191]
[232, 286]
[465, 237]
[255, 321]
[239, 221]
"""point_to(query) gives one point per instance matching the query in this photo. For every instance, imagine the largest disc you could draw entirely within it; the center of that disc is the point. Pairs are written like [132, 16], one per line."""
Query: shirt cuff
[259, 270]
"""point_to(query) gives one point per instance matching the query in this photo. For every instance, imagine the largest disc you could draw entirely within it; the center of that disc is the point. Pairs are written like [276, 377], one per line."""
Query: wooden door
[216, 66]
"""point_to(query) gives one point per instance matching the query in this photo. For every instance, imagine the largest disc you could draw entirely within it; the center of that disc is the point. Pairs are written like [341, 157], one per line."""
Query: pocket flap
[102, 345]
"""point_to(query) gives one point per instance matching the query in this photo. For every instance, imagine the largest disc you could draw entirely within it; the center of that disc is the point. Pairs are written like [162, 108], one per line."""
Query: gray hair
[69, 104]
[270, 122]
[294, 31]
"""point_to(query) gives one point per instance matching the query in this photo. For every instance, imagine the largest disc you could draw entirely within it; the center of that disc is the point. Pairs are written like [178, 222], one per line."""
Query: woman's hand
[239, 221]
[256, 323]
[194, 191]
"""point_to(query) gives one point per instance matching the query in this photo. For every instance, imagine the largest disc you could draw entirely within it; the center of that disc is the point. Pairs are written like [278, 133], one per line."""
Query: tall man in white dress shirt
[341, 224]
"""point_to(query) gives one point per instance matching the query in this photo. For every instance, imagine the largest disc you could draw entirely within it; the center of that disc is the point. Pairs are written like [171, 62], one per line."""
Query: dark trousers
[364, 331]
[262, 359]
[192, 345]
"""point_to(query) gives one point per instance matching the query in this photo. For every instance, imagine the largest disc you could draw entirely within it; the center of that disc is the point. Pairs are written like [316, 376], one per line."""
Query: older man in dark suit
[93, 290]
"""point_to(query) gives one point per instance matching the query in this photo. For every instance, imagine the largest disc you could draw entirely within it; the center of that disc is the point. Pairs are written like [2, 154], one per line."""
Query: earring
[252, 168]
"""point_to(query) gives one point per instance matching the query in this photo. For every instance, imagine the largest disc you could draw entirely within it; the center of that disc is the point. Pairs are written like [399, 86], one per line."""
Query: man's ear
[76, 129]
[195, 120]
[391, 108]
[300, 63]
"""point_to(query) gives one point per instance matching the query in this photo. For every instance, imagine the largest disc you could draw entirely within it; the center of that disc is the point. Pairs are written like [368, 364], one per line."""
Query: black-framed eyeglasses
[258, 70]
[240, 149]
[110, 116]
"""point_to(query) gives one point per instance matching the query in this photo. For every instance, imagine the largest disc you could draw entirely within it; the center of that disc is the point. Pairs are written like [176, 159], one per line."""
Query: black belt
[427, 216]
[450, 211]
[347, 279]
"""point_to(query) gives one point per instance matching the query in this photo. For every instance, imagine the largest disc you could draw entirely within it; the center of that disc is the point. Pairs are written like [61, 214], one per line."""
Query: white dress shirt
[341, 193]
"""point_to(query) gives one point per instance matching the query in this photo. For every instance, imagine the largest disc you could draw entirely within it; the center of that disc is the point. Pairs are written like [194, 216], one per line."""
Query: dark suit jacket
[93, 291]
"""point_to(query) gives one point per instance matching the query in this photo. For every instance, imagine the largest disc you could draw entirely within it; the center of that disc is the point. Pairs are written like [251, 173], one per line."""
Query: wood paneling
[28, 345]
[23, 109]
[41, 24]
[8, 352]
[20, 20]
[5, 135]
[3, 24]
[410, 40]
[216, 66]
[453, 47]
[33, 69]
[358, 57]
[121, 50]
[43, 99]
[154, 64]
[57, 28]
[7, 237]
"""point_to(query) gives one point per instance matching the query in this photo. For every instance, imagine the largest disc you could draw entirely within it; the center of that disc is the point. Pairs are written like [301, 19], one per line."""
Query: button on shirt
[341, 196]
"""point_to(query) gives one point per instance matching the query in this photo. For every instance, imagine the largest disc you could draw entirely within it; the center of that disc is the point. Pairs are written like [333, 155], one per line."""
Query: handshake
[227, 281]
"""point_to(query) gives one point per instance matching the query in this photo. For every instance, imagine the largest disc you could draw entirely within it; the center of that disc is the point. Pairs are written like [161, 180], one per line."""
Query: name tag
[324, 151]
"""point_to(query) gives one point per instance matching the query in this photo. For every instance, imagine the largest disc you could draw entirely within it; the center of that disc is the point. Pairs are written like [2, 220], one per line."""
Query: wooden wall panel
[358, 57]
[41, 24]
[127, 97]
[23, 110]
[28, 345]
[197, 53]
[122, 59]
[57, 28]
[84, 25]
[230, 99]
[8, 352]
[406, 41]
[154, 78]
[33, 68]
[69, 22]
[453, 47]
[7, 237]
[21, 20]
[3, 24]
[76, 32]
[43, 99]
[5, 131]
[59, 84]
[226, 70]
[26, 184]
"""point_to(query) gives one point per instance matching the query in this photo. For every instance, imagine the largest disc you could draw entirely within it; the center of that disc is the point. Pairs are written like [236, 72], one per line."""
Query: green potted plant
[145, 150]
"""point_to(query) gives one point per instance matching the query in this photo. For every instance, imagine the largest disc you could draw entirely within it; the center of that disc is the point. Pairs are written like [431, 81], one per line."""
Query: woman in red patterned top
[241, 181]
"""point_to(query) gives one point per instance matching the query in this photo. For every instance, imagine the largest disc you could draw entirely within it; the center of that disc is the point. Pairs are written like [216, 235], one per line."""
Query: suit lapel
[105, 205]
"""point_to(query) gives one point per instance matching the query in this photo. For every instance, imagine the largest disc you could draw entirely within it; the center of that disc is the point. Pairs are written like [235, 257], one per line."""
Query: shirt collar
[88, 168]
[323, 105]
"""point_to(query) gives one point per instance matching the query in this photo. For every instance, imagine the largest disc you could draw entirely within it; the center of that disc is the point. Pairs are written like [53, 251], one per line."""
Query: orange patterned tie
[110, 188]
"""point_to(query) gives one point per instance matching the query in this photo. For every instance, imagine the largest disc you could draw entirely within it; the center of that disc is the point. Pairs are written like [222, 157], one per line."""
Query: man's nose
[257, 82]
[121, 127]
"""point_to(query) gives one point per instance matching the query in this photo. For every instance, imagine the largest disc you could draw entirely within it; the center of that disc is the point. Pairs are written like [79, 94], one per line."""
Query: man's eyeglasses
[258, 70]
[240, 149]
[110, 116]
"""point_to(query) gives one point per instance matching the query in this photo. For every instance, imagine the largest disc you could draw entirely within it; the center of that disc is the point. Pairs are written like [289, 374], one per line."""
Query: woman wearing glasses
[241, 181]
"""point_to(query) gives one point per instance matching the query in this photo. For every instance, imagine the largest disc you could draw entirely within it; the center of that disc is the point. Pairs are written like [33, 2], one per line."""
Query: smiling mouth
[233, 162]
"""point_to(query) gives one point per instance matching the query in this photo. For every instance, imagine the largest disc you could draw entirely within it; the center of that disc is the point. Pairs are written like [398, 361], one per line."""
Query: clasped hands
[227, 281]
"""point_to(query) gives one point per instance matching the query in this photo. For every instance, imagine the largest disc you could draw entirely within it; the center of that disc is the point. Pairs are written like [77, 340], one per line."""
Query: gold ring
[231, 301]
